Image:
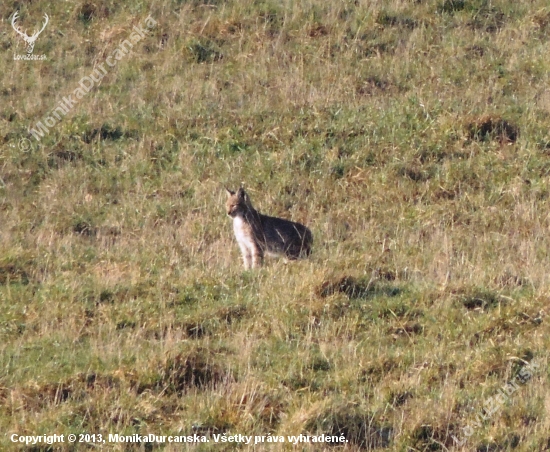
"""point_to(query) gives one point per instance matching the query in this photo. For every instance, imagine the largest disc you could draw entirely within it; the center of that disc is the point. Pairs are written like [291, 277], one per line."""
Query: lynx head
[237, 203]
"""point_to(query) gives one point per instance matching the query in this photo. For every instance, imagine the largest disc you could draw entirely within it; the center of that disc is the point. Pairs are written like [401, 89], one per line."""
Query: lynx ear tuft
[229, 192]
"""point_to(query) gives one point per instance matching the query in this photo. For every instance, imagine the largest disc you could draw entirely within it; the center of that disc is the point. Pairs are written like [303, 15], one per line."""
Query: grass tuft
[359, 428]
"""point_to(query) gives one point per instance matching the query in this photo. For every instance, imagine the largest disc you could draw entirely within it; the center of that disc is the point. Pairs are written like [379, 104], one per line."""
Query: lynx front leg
[257, 257]
[247, 256]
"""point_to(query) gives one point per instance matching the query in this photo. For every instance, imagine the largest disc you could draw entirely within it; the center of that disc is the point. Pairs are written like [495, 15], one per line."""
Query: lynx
[259, 234]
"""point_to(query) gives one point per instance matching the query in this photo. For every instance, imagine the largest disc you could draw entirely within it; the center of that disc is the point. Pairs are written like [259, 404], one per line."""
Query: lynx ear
[229, 192]
[241, 193]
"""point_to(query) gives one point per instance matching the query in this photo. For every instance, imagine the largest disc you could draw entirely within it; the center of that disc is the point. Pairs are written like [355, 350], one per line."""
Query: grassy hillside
[412, 137]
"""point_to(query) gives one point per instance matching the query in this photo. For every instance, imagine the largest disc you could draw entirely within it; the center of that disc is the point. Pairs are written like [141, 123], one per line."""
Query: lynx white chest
[242, 232]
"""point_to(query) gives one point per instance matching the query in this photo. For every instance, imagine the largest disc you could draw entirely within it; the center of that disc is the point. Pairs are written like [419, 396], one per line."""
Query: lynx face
[236, 203]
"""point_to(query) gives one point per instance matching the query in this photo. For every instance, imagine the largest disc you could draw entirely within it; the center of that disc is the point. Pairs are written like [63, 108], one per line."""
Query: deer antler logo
[30, 40]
